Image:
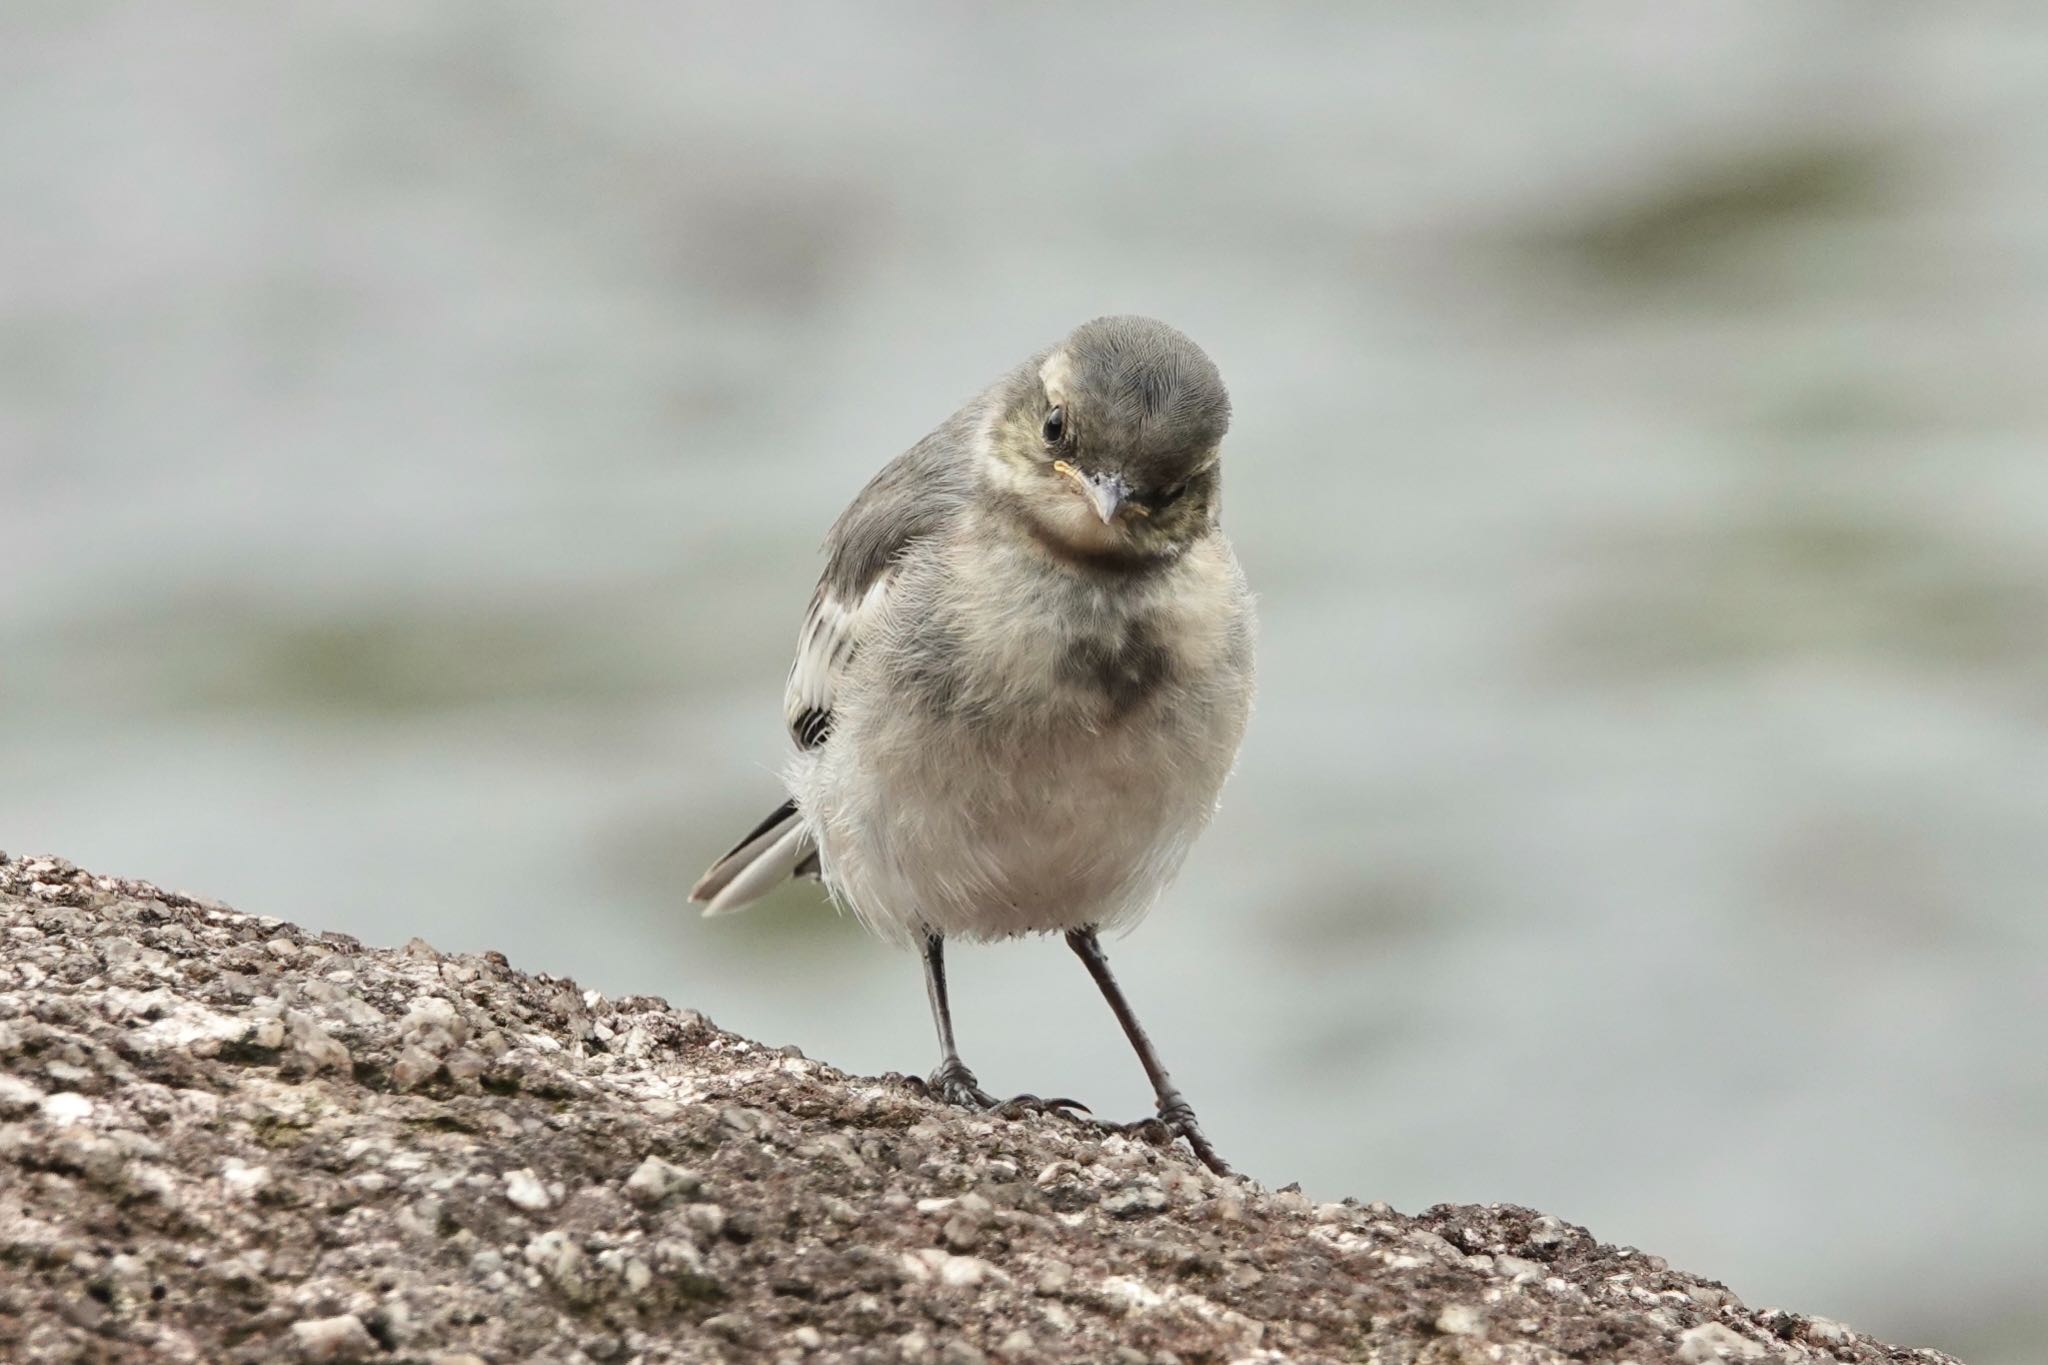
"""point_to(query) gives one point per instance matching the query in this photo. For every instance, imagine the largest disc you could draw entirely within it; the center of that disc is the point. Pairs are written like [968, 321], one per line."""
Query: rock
[1522, 1271]
[18, 1098]
[1459, 1320]
[523, 1188]
[242, 1180]
[731, 1326]
[1135, 1201]
[961, 1232]
[654, 1180]
[67, 1107]
[964, 1272]
[315, 1047]
[1827, 1332]
[706, 1220]
[415, 1067]
[559, 1257]
[433, 1025]
[1054, 1277]
[225, 1138]
[1712, 1341]
[342, 1338]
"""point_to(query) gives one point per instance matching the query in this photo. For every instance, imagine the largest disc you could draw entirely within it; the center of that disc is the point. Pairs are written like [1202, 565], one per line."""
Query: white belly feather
[1120, 714]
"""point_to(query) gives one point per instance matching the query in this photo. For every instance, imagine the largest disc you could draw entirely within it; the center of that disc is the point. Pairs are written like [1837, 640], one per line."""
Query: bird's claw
[955, 1084]
[1173, 1122]
[1019, 1105]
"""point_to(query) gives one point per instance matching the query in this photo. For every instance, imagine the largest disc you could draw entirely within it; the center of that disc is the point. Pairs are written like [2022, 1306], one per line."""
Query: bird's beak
[1108, 494]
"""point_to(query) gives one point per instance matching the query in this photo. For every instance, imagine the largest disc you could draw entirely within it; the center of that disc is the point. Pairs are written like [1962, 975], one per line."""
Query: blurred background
[417, 424]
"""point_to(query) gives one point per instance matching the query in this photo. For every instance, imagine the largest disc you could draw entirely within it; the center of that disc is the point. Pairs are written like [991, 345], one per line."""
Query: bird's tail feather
[779, 848]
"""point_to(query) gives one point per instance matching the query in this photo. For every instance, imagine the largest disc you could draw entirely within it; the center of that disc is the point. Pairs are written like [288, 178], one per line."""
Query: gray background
[417, 423]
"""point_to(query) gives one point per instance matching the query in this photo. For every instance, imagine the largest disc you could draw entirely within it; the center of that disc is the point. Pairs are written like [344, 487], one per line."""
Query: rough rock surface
[223, 1138]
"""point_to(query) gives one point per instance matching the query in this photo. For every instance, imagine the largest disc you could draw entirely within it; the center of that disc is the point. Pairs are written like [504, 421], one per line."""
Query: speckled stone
[224, 1138]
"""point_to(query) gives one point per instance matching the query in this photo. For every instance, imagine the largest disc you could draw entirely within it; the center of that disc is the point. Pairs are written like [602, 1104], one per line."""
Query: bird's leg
[953, 1082]
[1175, 1113]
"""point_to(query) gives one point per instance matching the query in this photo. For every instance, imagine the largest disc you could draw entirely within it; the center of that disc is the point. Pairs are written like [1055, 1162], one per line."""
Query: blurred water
[417, 423]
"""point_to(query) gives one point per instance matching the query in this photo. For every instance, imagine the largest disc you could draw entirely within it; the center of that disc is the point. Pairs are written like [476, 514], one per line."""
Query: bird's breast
[1118, 669]
[1011, 642]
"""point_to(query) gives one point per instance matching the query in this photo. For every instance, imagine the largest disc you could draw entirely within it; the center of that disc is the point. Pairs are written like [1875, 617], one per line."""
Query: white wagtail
[1024, 674]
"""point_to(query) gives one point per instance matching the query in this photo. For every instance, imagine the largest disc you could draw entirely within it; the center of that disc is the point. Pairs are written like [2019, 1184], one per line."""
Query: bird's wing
[916, 495]
[830, 637]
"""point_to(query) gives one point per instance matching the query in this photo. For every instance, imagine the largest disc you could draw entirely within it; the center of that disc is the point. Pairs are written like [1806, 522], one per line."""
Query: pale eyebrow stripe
[1056, 374]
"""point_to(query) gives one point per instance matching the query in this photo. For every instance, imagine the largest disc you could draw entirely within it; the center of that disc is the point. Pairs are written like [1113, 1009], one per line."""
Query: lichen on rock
[227, 1139]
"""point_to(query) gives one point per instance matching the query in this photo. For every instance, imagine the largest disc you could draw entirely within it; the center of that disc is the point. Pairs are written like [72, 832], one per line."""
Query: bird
[1023, 678]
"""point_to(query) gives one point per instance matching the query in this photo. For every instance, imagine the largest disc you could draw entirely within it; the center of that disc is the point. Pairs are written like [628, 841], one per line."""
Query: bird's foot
[953, 1083]
[1176, 1120]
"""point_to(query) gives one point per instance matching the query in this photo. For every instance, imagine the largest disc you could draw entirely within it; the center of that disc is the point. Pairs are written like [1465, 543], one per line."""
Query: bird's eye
[1166, 495]
[1055, 426]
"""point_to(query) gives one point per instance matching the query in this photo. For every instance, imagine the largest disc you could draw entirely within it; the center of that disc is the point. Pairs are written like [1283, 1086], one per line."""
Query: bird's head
[1108, 445]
